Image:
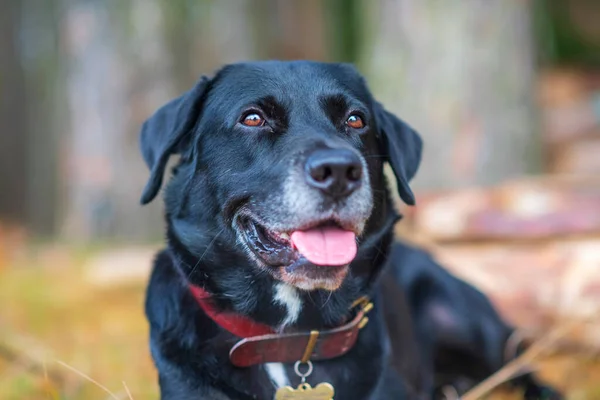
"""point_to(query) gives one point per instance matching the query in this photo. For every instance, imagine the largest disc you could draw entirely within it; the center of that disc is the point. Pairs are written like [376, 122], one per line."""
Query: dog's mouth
[309, 257]
[323, 244]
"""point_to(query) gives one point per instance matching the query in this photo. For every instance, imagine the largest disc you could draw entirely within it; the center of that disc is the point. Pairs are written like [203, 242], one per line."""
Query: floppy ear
[402, 147]
[164, 132]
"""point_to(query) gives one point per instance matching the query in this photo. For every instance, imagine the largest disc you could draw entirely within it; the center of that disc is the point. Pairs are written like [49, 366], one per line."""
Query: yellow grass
[64, 338]
[52, 316]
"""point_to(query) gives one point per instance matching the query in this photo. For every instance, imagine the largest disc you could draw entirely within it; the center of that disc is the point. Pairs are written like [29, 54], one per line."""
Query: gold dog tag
[323, 391]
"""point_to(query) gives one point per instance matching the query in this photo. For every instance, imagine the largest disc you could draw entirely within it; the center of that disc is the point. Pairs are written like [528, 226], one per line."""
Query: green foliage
[347, 25]
[560, 40]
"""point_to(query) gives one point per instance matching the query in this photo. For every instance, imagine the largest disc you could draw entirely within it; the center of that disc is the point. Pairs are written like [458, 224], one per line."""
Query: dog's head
[281, 165]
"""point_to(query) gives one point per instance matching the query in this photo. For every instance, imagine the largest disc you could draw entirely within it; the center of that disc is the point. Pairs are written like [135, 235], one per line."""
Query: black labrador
[280, 271]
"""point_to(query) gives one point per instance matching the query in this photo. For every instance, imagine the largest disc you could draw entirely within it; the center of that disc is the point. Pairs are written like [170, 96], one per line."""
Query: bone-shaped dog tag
[323, 391]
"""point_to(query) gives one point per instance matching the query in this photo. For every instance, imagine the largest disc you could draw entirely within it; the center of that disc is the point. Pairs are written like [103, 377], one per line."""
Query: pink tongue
[326, 246]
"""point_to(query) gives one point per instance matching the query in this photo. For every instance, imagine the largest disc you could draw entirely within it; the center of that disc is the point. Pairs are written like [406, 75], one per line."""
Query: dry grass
[53, 318]
[64, 338]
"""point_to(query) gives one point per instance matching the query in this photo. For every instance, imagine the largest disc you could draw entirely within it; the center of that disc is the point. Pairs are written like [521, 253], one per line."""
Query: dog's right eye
[253, 119]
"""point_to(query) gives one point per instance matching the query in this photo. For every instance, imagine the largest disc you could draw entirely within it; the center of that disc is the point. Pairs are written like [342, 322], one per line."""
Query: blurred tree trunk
[31, 111]
[462, 73]
[117, 70]
[13, 114]
[43, 60]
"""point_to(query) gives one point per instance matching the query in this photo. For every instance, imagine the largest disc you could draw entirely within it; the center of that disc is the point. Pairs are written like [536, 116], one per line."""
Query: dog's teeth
[284, 236]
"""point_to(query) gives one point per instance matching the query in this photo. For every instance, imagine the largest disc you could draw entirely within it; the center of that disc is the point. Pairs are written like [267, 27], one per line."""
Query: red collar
[260, 343]
[237, 324]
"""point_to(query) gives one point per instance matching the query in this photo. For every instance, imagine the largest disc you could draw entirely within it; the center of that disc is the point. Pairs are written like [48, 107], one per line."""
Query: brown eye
[355, 122]
[253, 119]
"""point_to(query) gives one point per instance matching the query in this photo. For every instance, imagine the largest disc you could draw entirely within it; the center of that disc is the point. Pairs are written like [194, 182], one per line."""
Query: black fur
[225, 167]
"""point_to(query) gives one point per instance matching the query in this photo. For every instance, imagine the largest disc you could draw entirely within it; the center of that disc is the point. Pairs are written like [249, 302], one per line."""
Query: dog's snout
[336, 172]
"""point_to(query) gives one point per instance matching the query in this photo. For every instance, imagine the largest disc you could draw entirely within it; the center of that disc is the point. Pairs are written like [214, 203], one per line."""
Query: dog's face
[282, 160]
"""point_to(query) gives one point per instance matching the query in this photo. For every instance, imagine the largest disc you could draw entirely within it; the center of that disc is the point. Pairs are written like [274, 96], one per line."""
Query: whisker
[205, 252]
[311, 299]
[328, 298]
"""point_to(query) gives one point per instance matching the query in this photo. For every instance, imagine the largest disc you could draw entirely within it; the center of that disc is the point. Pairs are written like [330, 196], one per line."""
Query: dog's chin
[307, 276]
[275, 253]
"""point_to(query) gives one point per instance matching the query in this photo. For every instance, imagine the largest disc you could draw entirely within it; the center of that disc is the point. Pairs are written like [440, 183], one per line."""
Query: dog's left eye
[253, 120]
[355, 121]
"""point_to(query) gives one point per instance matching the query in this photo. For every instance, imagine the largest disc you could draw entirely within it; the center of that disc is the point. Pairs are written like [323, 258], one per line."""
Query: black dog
[280, 230]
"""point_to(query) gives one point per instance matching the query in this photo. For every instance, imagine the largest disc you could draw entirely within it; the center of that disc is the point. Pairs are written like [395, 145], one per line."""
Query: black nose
[337, 172]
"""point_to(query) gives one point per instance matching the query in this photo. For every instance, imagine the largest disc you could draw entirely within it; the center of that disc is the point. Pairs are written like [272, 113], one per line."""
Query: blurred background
[506, 94]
